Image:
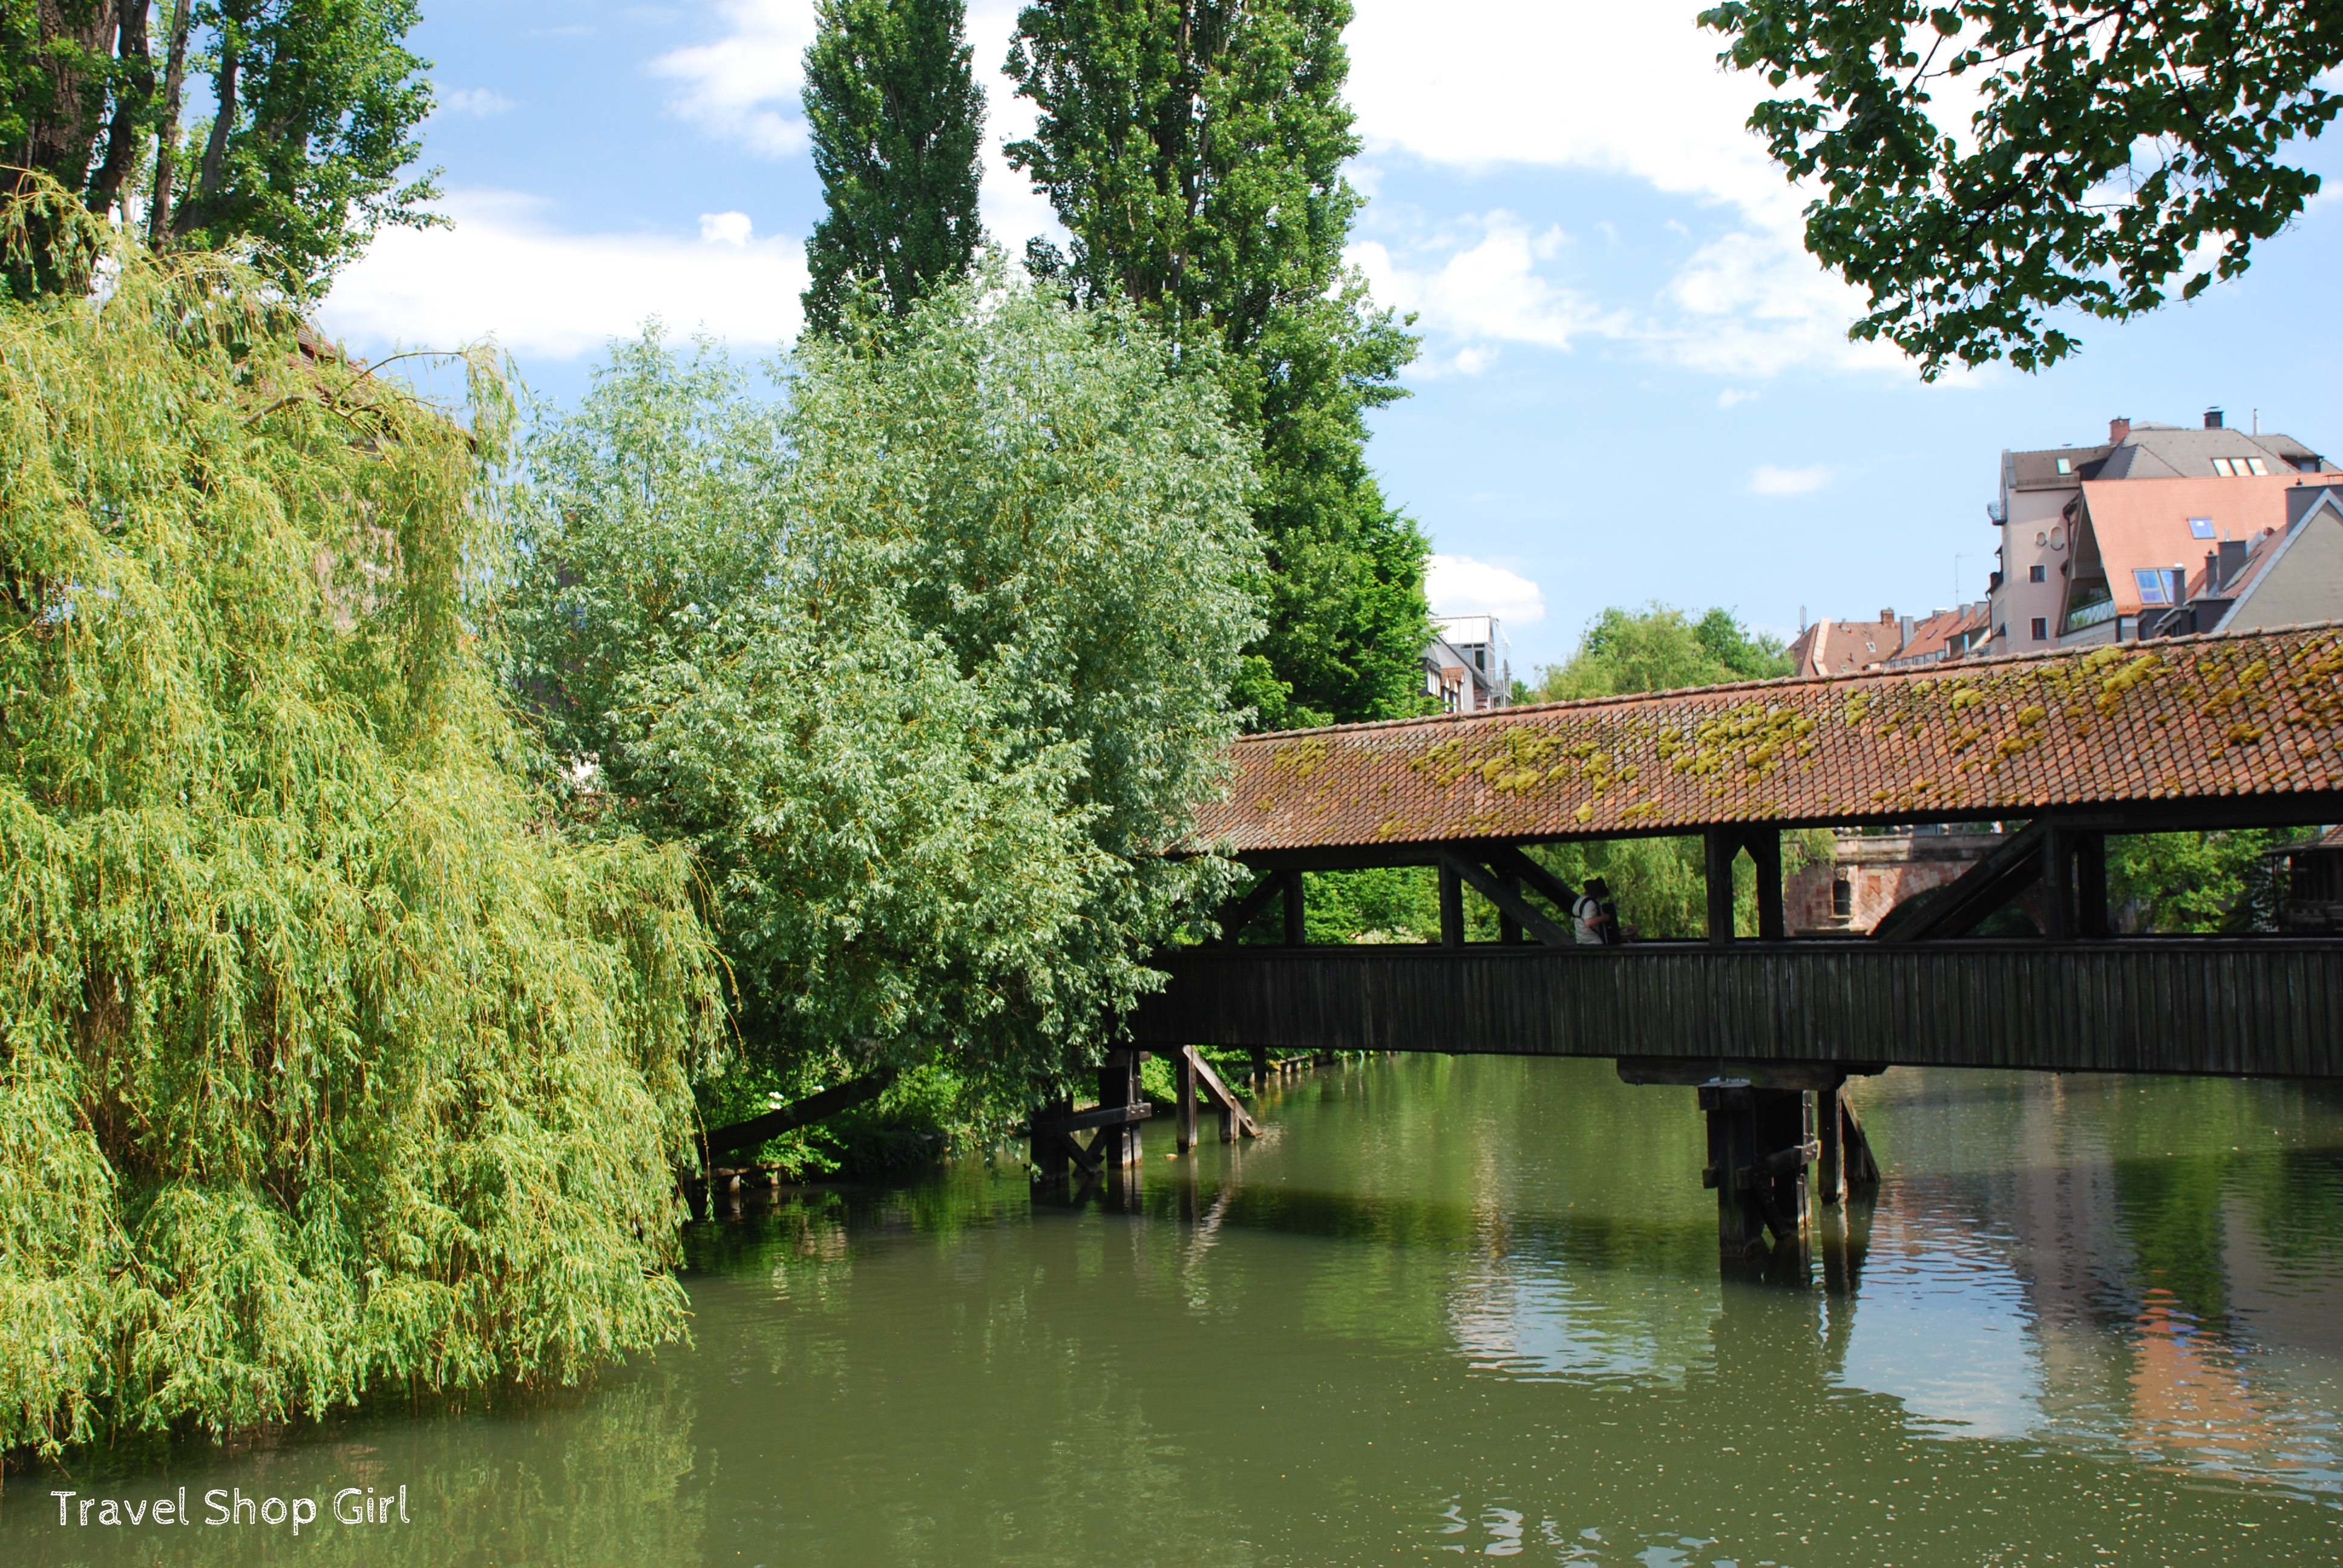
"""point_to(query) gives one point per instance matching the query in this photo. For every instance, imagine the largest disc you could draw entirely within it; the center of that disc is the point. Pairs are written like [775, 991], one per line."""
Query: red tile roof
[2142, 524]
[1844, 647]
[2253, 713]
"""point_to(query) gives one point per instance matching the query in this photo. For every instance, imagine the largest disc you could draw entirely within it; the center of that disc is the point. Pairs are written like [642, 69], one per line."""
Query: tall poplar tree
[1195, 150]
[896, 120]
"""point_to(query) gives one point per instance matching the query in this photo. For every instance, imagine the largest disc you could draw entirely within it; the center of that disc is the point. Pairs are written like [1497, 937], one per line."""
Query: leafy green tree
[1195, 150]
[1660, 648]
[926, 662]
[2189, 882]
[896, 123]
[314, 108]
[323, 1064]
[2112, 140]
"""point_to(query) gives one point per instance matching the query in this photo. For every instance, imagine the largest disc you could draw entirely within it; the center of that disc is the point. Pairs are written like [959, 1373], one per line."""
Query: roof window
[2200, 528]
[2154, 588]
[2065, 465]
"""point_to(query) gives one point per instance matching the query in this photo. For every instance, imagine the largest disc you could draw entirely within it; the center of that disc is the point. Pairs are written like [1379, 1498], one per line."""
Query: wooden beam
[1451, 904]
[1693, 1071]
[1297, 930]
[2057, 881]
[1509, 859]
[813, 1108]
[1722, 844]
[2090, 884]
[1237, 914]
[1096, 1117]
[1491, 886]
[1765, 846]
[2006, 871]
[1235, 1119]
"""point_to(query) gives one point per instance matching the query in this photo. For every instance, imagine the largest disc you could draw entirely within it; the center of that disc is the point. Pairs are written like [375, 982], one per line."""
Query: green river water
[1443, 1306]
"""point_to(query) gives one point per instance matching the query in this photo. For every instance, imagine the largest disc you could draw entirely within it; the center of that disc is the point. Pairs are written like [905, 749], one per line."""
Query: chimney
[2212, 419]
[1887, 618]
[2232, 559]
[2118, 428]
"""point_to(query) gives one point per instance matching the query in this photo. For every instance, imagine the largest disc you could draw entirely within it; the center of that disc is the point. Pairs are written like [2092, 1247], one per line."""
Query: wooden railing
[2261, 1006]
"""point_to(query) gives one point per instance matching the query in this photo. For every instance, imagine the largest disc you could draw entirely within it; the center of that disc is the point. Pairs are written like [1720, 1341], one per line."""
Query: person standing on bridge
[1595, 924]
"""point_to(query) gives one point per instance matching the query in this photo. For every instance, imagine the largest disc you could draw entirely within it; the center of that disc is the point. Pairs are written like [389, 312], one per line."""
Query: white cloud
[1013, 210]
[481, 102]
[1734, 397]
[1459, 585]
[1482, 292]
[743, 85]
[726, 227]
[1589, 83]
[1766, 479]
[1632, 90]
[504, 271]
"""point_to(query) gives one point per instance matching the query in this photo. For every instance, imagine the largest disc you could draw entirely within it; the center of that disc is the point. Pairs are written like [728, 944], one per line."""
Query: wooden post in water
[1862, 1169]
[1050, 1165]
[1184, 1077]
[1829, 1174]
[1118, 1080]
[1760, 1141]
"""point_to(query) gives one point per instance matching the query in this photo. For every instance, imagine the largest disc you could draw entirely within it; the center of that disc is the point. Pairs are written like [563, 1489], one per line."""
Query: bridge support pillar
[1118, 1146]
[1760, 1143]
[1052, 1165]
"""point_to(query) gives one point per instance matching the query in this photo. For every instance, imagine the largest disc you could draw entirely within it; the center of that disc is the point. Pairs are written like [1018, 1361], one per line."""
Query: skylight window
[2154, 588]
[2200, 528]
[2221, 467]
[2257, 465]
[2065, 466]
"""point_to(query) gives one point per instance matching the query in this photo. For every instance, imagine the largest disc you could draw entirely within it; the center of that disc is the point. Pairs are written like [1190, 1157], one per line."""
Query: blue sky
[1634, 385]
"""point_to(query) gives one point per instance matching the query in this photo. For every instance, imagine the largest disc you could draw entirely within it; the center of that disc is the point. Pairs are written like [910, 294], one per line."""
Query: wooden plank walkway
[2261, 1006]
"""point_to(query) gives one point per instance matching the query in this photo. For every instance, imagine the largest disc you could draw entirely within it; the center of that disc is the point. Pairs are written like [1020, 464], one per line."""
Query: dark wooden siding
[2261, 1006]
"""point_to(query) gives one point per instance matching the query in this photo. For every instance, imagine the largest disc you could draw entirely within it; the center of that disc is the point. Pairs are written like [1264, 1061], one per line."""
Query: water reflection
[1446, 1307]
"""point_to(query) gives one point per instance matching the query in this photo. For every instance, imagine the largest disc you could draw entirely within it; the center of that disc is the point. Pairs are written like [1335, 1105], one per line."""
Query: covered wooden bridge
[2204, 732]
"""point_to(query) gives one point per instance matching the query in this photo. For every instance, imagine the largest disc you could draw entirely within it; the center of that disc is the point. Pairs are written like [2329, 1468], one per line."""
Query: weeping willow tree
[325, 1066]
